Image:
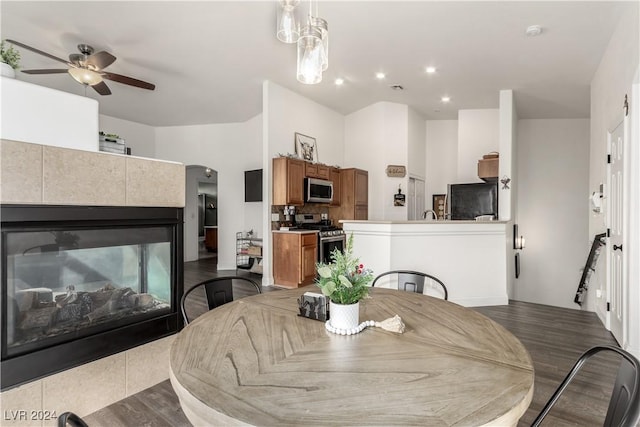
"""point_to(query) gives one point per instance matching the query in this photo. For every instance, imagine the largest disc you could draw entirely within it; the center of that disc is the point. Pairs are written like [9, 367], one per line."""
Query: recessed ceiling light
[445, 99]
[339, 81]
[533, 30]
[380, 76]
[431, 70]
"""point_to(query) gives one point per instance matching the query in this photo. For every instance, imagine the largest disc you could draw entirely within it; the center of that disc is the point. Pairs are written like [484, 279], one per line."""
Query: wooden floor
[554, 337]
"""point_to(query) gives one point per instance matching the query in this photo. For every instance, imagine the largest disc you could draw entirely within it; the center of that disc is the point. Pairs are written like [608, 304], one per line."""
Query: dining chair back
[624, 405]
[411, 281]
[217, 291]
[69, 419]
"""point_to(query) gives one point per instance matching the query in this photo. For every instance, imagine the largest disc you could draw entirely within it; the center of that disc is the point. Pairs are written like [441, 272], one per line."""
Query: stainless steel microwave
[318, 190]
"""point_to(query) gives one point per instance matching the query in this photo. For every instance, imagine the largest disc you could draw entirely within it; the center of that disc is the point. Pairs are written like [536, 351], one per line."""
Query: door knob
[616, 247]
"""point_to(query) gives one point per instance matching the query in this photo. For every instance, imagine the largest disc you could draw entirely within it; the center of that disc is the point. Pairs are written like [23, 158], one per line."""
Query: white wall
[285, 113]
[140, 138]
[441, 156]
[228, 149]
[478, 134]
[617, 71]
[37, 114]
[416, 161]
[375, 137]
[553, 166]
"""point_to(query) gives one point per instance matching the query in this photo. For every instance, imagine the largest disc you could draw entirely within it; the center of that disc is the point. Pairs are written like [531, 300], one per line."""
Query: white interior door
[616, 218]
[416, 198]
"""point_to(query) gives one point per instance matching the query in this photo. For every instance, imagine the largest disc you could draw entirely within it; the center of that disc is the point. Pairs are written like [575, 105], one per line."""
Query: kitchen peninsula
[470, 257]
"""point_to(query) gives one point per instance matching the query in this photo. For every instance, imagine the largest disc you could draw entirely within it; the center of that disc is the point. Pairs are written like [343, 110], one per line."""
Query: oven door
[328, 244]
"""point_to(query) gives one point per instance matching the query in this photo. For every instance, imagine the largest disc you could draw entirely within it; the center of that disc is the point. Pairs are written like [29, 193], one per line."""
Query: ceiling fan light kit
[85, 76]
[86, 68]
[312, 40]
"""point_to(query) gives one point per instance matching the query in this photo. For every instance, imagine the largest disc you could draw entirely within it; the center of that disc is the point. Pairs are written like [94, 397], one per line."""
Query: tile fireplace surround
[32, 174]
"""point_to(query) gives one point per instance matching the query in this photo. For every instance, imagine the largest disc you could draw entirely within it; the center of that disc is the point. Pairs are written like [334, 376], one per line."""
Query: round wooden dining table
[254, 361]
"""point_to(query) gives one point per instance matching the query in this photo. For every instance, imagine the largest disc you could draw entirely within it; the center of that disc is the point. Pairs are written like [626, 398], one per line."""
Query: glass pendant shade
[322, 26]
[85, 76]
[310, 56]
[288, 29]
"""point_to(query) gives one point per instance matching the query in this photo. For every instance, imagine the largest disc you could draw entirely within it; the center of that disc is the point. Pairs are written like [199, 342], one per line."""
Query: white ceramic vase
[344, 316]
[7, 71]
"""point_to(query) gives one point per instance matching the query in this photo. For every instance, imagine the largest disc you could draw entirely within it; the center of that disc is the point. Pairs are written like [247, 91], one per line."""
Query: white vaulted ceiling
[208, 59]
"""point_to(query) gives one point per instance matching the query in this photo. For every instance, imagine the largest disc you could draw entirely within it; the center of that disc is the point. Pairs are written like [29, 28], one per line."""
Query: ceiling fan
[86, 68]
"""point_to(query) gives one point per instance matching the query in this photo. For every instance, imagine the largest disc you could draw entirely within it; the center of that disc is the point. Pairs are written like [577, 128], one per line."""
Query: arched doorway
[201, 214]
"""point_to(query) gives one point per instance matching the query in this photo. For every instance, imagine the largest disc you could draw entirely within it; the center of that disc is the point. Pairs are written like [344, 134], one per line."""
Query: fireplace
[80, 283]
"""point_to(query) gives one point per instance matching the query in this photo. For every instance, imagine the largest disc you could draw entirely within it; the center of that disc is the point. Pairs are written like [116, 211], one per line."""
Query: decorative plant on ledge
[9, 55]
[344, 280]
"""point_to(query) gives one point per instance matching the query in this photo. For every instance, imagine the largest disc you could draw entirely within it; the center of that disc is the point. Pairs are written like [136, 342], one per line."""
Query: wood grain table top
[255, 362]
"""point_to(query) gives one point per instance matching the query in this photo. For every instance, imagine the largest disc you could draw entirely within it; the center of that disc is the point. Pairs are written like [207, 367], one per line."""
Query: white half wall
[139, 137]
[478, 134]
[228, 149]
[552, 175]
[37, 114]
[441, 157]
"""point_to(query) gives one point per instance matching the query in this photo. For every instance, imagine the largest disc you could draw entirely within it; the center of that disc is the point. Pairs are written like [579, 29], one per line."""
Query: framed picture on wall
[306, 147]
[439, 205]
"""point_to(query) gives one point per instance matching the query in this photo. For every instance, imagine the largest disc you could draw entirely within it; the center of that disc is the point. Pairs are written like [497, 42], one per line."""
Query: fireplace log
[38, 318]
[34, 298]
[118, 300]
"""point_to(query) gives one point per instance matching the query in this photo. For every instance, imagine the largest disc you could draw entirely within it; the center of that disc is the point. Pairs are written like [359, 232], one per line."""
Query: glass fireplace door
[66, 283]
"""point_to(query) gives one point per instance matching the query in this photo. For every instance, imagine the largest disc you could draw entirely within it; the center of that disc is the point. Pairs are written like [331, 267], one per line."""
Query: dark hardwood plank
[555, 338]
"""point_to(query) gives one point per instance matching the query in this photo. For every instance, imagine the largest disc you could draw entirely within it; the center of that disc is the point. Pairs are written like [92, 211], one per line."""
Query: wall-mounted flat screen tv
[468, 201]
[253, 185]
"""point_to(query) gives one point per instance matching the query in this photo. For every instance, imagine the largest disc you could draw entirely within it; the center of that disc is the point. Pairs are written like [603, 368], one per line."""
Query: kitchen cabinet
[354, 195]
[288, 181]
[334, 176]
[314, 170]
[488, 169]
[294, 258]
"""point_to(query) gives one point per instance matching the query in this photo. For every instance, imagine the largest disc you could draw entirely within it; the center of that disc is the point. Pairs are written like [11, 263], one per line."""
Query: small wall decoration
[306, 147]
[505, 182]
[439, 205]
[396, 171]
[399, 199]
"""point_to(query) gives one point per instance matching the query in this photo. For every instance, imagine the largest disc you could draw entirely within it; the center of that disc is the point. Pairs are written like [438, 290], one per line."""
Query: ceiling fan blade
[102, 88]
[46, 71]
[127, 80]
[101, 59]
[33, 49]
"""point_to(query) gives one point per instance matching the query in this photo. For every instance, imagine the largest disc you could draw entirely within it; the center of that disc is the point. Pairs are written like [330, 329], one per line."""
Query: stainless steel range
[330, 237]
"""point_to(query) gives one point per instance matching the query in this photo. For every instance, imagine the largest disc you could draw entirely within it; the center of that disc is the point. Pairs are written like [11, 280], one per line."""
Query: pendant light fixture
[312, 39]
[310, 56]
[288, 29]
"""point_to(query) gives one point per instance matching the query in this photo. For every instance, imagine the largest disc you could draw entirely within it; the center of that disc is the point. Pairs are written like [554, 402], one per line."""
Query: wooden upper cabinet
[314, 170]
[288, 181]
[354, 195]
[334, 176]
[361, 187]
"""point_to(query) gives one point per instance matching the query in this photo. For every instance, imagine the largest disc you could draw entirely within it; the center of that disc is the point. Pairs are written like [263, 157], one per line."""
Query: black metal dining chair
[218, 291]
[624, 405]
[69, 419]
[412, 281]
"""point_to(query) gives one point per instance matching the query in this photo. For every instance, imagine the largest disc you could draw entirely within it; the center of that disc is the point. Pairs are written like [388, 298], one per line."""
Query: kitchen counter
[474, 259]
[296, 231]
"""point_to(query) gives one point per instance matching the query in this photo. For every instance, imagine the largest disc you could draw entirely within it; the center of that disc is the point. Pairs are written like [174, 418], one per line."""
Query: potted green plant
[9, 60]
[345, 282]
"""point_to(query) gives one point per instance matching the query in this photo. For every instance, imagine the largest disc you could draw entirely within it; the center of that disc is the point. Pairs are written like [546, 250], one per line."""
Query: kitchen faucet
[424, 214]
